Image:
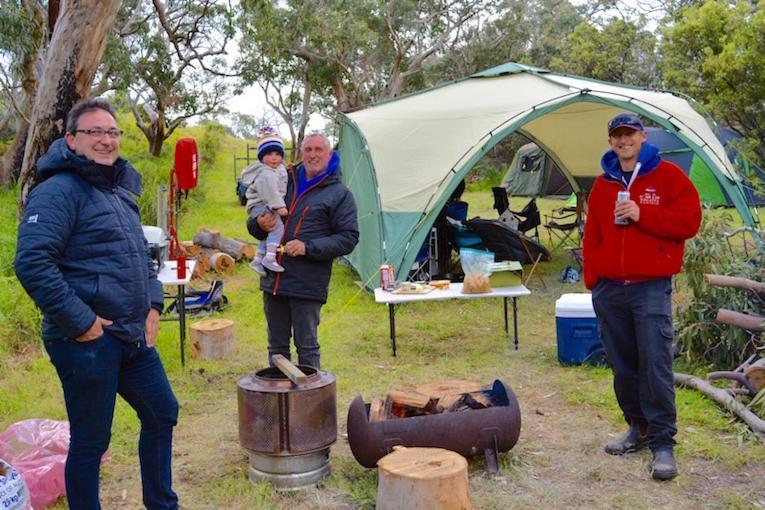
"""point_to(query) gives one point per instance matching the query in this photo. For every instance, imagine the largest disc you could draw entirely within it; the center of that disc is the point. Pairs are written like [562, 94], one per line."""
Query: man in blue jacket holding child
[82, 257]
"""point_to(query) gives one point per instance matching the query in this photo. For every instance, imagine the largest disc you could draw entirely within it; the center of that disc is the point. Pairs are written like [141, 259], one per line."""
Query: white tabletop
[168, 275]
[453, 292]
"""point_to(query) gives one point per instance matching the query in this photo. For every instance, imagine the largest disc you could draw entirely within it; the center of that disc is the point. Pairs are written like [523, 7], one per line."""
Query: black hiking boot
[635, 439]
[663, 466]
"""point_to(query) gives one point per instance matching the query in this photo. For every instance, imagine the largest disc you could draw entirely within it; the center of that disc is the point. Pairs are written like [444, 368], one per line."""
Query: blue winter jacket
[81, 249]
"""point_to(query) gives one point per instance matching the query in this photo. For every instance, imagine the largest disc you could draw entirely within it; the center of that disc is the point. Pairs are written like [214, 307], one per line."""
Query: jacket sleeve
[592, 236]
[679, 217]
[345, 232]
[48, 222]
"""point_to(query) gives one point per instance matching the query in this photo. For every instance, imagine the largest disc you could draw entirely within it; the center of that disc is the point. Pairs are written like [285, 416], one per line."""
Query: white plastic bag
[476, 264]
[14, 494]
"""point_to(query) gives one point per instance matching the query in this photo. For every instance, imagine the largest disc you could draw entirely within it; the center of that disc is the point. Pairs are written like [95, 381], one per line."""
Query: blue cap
[628, 120]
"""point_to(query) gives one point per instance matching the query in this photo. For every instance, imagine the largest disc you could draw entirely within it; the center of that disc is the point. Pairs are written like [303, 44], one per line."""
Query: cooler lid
[574, 305]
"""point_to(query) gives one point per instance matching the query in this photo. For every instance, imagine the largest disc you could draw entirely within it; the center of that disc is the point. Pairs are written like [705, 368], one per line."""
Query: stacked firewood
[747, 380]
[214, 251]
[434, 398]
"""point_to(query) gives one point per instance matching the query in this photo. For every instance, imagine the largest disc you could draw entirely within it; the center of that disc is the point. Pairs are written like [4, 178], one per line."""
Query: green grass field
[567, 412]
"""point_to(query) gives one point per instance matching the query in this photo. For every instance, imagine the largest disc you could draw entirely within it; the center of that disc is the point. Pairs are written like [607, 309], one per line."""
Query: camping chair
[528, 217]
[562, 223]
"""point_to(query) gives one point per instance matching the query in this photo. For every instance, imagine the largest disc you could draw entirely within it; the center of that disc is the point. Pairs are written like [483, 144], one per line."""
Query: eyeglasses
[99, 133]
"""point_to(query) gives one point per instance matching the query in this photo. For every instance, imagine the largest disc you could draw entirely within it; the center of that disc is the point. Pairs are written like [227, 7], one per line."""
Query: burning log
[737, 282]
[213, 239]
[723, 398]
[751, 323]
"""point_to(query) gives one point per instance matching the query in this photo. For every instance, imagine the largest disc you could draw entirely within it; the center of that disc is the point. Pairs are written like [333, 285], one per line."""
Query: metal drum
[287, 428]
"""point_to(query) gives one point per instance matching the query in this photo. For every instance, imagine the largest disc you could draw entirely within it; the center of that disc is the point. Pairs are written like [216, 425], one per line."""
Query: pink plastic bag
[37, 449]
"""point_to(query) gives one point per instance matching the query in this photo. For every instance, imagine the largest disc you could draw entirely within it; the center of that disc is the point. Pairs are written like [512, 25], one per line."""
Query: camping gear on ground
[14, 494]
[158, 245]
[37, 449]
[578, 331]
[565, 221]
[476, 265]
[401, 187]
[202, 302]
[506, 243]
[287, 423]
[527, 218]
[422, 478]
[484, 422]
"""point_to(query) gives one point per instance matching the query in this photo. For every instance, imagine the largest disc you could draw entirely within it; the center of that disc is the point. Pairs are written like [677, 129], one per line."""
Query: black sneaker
[663, 466]
[630, 442]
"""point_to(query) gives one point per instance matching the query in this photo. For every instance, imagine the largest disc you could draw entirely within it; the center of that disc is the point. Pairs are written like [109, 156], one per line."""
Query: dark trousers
[92, 374]
[637, 334]
[288, 317]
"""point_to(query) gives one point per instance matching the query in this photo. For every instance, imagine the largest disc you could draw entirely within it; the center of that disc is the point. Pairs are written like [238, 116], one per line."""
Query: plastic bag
[476, 264]
[14, 494]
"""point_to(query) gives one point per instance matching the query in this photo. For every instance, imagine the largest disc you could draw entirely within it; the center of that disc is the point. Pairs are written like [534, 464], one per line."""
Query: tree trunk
[741, 320]
[77, 45]
[736, 282]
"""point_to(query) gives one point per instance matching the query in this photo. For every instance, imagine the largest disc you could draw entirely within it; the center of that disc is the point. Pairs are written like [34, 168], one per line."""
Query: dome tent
[402, 158]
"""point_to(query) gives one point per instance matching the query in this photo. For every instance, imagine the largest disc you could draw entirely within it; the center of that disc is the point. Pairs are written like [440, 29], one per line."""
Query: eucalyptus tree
[175, 53]
[715, 52]
[341, 54]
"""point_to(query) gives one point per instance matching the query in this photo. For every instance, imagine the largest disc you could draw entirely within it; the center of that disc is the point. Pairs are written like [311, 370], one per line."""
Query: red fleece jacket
[670, 213]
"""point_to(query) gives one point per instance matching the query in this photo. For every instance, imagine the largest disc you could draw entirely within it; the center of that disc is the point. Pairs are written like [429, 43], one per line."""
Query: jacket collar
[648, 159]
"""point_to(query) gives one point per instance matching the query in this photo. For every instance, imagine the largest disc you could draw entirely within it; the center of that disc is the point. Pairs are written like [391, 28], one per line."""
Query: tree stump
[422, 478]
[212, 339]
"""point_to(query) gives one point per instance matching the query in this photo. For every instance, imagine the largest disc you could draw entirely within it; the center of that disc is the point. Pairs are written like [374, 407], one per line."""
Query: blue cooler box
[578, 331]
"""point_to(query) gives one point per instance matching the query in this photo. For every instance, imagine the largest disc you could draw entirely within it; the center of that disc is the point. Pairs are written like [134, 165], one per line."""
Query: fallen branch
[739, 377]
[723, 398]
[735, 281]
[742, 320]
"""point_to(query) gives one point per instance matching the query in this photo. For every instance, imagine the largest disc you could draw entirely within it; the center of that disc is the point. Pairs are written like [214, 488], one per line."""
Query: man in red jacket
[633, 244]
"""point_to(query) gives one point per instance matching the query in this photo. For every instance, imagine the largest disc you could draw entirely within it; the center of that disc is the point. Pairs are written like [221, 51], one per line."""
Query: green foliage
[715, 52]
[209, 142]
[618, 52]
[701, 340]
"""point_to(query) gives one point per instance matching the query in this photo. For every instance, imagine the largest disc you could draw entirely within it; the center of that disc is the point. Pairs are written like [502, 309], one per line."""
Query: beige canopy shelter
[402, 158]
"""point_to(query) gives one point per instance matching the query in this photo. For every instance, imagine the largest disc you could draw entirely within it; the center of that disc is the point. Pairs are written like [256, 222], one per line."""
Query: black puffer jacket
[324, 218]
[81, 249]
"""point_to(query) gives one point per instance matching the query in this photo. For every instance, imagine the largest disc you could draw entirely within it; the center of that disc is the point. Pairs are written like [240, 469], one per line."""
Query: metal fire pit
[471, 432]
[286, 428]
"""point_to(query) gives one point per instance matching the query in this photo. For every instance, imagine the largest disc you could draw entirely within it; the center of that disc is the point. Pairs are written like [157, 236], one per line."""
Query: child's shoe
[272, 264]
[257, 266]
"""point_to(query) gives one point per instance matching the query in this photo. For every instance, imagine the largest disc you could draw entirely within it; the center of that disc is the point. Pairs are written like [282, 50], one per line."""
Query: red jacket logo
[649, 197]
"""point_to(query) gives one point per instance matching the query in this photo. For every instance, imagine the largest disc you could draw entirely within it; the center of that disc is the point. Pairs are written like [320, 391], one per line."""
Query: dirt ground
[557, 463]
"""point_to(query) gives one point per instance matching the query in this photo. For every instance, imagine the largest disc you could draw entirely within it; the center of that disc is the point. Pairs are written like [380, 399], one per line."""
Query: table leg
[515, 321]
[507, 331]
[182, 320]
[392, 320]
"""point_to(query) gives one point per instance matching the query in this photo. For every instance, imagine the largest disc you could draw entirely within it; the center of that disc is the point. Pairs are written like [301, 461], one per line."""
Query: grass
[567, 412]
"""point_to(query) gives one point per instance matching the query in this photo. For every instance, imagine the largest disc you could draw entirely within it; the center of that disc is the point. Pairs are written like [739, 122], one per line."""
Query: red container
[181, 269]
[186, 163]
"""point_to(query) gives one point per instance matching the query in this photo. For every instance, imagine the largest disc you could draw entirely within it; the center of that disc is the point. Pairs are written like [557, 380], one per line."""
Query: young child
[266, 191]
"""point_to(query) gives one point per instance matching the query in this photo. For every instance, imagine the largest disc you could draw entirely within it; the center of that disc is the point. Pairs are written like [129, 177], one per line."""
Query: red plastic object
[181, 269]
[37, 449]
[186, 161]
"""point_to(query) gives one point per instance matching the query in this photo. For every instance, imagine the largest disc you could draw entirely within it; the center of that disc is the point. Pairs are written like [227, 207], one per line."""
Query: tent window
[527, 164]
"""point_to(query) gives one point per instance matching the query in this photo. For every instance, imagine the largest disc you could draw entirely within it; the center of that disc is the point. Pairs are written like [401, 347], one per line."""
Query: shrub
[700, 339]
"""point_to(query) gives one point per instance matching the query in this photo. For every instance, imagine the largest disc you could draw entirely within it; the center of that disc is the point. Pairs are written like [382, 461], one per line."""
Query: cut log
[292, 372]
[213, 239]
[409, 399]
[212, 339]
[376, 410]
[222, 262]
[422, 478]
[756, 374]
[190, 249]
[734, 281]
[248, 250]
[203, 265]
[741, 320]
[723, 398]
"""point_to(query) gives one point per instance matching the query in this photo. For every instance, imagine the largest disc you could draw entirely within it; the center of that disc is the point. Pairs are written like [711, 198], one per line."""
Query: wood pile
[214, 251]
[434, 398]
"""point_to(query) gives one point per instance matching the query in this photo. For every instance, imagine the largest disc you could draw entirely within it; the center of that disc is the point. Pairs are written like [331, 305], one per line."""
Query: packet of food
[476, 265]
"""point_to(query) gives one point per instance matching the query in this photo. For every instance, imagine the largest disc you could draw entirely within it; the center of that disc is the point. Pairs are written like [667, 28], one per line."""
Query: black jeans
[92, 374]
[637, 334]
[285, 316]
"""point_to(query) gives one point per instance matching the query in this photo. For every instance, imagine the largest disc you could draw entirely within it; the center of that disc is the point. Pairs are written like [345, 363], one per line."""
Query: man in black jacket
[321, 225]
[82, 257]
